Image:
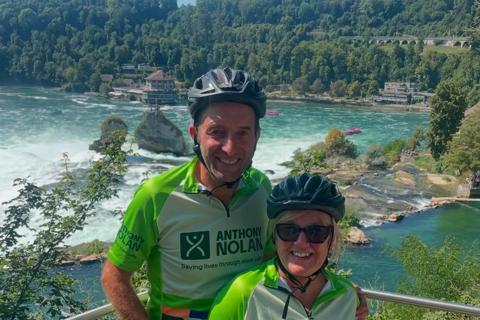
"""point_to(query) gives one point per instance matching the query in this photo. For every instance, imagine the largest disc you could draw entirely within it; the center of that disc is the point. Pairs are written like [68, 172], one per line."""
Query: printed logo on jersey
[195, 245]
[131, 240]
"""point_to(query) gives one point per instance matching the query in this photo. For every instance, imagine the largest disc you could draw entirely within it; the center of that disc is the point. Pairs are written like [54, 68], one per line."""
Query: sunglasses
[314, 233]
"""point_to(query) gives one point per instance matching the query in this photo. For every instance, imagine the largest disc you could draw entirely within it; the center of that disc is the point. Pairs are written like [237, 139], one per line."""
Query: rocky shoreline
[387, 196]
[419, 107]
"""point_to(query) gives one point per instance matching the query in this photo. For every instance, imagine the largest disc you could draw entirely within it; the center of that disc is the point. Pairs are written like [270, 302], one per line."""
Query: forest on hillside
[70, 43]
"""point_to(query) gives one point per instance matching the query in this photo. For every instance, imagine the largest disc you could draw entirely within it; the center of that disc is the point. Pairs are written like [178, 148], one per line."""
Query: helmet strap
[297, 283]
[230, 184]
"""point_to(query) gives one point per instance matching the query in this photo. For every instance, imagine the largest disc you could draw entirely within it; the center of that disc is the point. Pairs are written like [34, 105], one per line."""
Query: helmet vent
[239, 79]
[199, 84]
[226, 84]
[228, 73]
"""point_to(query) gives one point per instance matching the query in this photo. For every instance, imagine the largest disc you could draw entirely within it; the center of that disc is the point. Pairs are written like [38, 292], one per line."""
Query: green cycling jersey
[192, 243]
[260, 293]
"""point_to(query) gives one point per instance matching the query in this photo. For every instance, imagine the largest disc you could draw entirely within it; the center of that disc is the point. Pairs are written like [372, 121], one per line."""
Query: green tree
[337, 145]
[307, 161]
[473, 96]
[393, 150]
[464, 149]
[446, 273]
[447, 108]
[338, 88]
[31, 286]
[300, 85]
[354, 90]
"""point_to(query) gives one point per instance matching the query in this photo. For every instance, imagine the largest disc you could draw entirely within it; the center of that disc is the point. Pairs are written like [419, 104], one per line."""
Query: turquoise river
[38, 124]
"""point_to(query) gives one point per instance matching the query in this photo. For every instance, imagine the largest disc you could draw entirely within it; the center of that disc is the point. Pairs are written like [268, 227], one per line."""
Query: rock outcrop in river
[158, 134]
[386, 195]
[111, 127]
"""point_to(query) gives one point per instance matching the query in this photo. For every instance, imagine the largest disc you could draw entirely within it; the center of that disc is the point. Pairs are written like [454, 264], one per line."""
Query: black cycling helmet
[306, 192]
[219, 85]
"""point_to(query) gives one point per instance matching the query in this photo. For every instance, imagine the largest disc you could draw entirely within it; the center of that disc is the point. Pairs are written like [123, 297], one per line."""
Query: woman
[295, 284]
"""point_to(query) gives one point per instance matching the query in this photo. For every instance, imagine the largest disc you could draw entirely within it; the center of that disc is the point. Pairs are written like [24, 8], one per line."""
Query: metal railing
[370, 294]
[422, 302]
[103, 310]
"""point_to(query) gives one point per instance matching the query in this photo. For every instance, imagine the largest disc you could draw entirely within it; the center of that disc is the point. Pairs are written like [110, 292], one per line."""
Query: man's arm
[118, 288]
[362, 309]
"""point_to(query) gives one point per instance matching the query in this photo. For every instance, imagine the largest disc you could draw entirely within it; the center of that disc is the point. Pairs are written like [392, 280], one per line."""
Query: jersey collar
[191, 185]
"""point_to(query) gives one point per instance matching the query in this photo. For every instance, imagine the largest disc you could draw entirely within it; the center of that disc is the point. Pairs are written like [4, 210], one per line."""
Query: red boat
[272, 112]
[351, 131]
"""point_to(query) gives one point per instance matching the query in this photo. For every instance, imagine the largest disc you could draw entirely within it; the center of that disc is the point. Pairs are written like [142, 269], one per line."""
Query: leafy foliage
[72, 42]
[446, 273]
[427, 163]
[464, 149]
[420, 136]
[350, 219]
[393, 150]
[448, 105]
[308, 160]
[31, 288]
[315, 158]
[338, 88]
[374, 157]
[337, 145]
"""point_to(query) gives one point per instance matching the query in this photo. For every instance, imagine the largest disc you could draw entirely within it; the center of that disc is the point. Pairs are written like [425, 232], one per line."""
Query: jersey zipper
[210, 195]
[227, 209]
[307, 313]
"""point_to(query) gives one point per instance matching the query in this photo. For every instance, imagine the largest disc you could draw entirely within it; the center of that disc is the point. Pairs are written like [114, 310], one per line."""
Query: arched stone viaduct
[462, 42]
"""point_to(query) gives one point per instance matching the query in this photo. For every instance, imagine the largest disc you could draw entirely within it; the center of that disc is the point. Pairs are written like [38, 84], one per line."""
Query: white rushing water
[38, 125]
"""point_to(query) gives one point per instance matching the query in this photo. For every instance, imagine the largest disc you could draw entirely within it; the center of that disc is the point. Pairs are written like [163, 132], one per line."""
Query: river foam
[35, 132]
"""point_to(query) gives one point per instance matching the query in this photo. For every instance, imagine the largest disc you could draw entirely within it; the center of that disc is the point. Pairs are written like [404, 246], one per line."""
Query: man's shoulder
[167, 180]
[261, 178]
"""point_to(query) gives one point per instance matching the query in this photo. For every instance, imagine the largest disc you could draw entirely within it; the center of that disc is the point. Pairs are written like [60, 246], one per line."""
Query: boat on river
[351, 131]
[272, 112]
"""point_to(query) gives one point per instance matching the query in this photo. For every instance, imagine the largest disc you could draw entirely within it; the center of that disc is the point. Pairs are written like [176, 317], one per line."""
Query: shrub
[374, 157]
[308, 160]
[427, 163]
[393, 150]
[338, 88]
[349, 220]
[337, 145]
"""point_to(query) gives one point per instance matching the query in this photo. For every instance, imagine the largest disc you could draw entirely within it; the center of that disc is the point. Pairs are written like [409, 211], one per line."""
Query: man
[199, 224]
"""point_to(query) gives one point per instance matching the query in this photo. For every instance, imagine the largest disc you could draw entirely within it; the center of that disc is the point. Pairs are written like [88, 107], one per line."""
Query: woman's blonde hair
[336, 242]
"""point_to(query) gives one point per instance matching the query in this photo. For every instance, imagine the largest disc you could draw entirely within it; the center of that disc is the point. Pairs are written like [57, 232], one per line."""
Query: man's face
[227, 136]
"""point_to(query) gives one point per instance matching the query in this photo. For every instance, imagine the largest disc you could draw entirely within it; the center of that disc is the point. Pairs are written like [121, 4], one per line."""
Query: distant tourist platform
[159, 89]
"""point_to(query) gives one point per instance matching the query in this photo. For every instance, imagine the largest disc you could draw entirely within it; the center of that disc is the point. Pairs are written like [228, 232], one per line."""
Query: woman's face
[300, 257]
